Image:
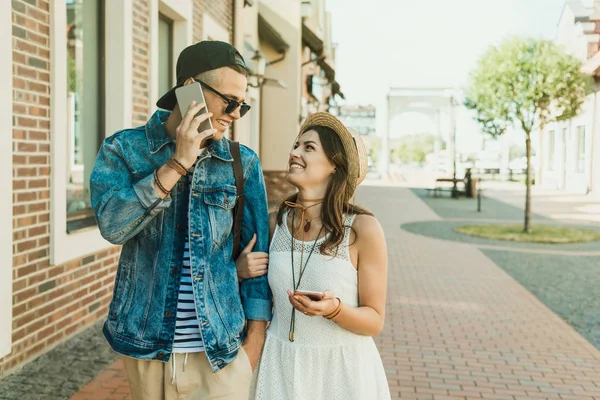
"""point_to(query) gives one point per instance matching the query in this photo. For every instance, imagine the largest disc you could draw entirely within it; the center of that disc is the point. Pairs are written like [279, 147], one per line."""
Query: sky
[428, 43]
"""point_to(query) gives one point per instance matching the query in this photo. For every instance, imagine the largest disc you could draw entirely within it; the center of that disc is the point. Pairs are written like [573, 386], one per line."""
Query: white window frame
[6, 201]
[181, 13]
[118, 115]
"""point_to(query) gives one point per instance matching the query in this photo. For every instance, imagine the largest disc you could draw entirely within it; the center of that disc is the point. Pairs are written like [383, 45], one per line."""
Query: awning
[310, 39]
[267, 33]
[335, 89]
[329, 71]
[591, 65]
[330, 75]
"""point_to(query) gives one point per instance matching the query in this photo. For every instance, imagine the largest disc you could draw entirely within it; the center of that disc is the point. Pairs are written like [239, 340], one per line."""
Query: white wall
[570, 35]
[6, 203]
[247, 129]
[281, 107]
[578, 181]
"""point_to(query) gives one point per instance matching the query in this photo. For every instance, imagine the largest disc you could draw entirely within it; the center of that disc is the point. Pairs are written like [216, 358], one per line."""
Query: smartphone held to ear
[193, 92]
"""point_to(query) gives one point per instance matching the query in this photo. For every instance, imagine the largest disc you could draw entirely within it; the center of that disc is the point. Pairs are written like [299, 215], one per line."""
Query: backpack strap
[238, 210]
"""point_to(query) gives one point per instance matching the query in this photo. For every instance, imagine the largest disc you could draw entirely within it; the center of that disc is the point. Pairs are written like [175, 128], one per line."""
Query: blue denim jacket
[142, 314]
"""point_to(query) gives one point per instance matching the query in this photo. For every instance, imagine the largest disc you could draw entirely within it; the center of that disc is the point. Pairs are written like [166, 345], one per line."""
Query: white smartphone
[193, 92]
[311, 295]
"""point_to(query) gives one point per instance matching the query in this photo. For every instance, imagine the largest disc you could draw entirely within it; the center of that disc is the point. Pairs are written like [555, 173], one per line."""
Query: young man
[188, 327]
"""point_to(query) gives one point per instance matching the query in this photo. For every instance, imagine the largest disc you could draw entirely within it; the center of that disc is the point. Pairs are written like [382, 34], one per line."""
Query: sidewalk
[457, 326]
[558, 205]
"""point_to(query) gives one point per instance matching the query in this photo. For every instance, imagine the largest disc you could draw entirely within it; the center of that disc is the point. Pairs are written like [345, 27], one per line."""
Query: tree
[414, 148]
[515, 152]
[526, 83]
[374, 150]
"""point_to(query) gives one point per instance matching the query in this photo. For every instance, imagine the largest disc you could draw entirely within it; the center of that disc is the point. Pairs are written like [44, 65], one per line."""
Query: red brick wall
[141, 62]
[50, 302]
[220, 10]
[53, 302]
[278, 188]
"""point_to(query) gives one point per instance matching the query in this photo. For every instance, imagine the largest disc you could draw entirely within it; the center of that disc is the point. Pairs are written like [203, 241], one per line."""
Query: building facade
[75, 72]
[569, 154]
[299, 79]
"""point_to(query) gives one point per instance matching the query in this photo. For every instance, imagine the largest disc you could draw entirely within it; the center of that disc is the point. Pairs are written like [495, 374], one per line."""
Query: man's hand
[188, 139]
[251, 264]
[255, 340]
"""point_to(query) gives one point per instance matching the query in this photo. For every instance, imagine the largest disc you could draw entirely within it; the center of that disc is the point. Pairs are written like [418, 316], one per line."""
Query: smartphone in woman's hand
[316, 296]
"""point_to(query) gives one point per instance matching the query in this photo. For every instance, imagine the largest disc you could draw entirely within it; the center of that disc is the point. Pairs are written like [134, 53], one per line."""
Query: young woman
[320, 346]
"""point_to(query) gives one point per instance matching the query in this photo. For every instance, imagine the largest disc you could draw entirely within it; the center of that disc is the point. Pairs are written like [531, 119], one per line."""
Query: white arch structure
[432, 102]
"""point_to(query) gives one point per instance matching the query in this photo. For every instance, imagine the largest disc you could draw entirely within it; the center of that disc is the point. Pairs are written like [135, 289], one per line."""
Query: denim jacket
[142, 313]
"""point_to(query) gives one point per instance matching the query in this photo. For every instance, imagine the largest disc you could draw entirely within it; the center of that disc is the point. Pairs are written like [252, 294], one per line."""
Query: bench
[438, 190]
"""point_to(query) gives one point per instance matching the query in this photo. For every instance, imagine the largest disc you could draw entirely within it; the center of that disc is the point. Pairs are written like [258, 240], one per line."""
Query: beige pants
[155, 380]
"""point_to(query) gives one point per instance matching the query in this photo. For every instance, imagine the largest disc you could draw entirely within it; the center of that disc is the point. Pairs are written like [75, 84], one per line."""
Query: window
[85, 105]
[102, 50]
[580, 157]
[551, 149]
[165, 54]
[171, 30]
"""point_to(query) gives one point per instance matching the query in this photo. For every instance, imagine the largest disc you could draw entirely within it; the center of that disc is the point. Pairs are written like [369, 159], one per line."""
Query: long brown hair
[337, 198]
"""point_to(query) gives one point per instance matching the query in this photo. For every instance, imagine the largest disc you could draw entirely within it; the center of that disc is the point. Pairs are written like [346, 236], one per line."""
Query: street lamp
[259, 64]
[257, 73]
[453, 103]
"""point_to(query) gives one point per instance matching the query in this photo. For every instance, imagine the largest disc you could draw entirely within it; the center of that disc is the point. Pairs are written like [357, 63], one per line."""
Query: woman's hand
[314, 308]
[251, 264]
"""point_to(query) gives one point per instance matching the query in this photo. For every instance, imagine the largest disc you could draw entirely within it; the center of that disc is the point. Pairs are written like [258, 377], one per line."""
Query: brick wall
[278, 188]
[141, 62]
[53, 302]
[220, 10]
[50, 302]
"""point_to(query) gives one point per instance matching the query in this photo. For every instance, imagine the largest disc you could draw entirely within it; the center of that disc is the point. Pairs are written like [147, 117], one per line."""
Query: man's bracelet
[177, 166]
[160, 186]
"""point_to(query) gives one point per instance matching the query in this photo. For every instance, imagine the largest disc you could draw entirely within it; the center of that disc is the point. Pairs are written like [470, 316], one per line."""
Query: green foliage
[71, 74]
[375, 149]
[414, 148]
[516, 152]
[526, 83]
[539, 234]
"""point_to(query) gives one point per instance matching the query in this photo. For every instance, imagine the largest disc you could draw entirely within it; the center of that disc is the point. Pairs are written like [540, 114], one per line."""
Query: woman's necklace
[302, 269]
[304, 208]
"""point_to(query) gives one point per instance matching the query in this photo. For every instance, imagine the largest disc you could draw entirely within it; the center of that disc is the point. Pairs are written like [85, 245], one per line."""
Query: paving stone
[458, 326]
[60, 373]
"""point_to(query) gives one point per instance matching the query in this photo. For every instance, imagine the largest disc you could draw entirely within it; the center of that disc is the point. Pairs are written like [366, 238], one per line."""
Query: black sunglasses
[232, 105]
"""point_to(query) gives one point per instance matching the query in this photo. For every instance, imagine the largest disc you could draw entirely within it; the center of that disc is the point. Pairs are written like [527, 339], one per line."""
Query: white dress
[325, 361]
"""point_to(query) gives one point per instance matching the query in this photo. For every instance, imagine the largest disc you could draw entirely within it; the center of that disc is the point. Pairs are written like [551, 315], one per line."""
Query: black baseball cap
[198, 58]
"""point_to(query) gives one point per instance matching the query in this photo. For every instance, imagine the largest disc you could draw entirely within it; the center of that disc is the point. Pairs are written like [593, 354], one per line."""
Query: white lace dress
[325, 361]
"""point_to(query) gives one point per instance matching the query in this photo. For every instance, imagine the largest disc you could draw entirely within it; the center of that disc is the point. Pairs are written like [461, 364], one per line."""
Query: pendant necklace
[302, 268]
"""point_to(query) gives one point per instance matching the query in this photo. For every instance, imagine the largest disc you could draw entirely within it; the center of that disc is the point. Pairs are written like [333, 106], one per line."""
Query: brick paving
[110, 384]
[457, 326]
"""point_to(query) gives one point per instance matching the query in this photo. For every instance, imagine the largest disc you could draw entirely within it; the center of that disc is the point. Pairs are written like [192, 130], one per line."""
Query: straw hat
[352, 142]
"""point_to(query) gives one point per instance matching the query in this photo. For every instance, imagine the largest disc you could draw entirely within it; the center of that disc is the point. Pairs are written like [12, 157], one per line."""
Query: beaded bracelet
[160, 186]
[336, 311]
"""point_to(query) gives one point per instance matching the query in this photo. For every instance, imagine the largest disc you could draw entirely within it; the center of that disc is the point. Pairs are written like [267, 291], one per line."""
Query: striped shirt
[188, 338]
